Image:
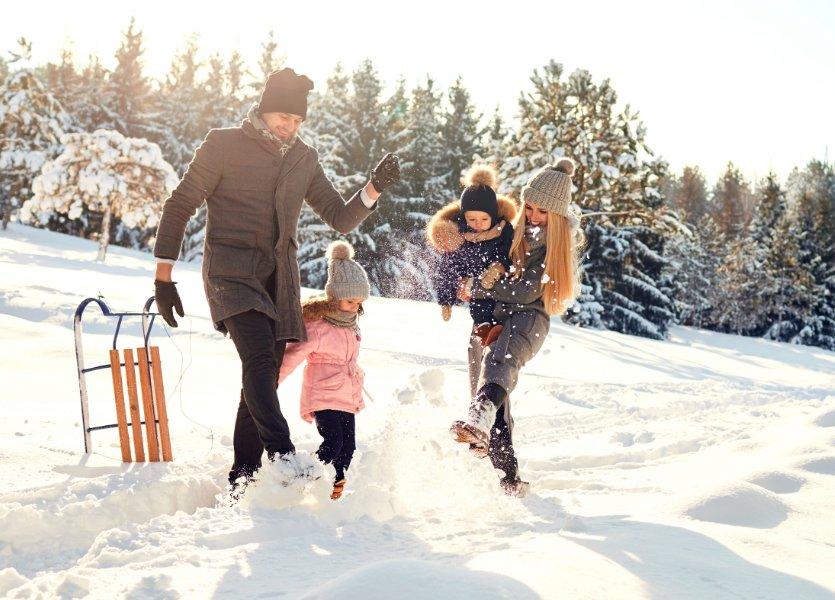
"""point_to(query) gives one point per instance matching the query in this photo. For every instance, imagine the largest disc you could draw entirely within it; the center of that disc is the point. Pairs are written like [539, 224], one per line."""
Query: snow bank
[741, 504]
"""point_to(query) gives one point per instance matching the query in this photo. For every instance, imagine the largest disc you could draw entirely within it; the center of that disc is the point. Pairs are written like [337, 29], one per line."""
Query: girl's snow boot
[338, 488]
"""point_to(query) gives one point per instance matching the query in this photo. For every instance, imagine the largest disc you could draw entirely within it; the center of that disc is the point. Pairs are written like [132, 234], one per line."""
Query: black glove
[167, 299]
[386, 173]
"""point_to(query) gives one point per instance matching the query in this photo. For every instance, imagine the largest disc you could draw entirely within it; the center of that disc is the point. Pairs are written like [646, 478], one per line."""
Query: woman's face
[538, 217]
[351, 305]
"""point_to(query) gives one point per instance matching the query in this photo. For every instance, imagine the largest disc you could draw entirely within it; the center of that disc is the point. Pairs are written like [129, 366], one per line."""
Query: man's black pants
[259, 424]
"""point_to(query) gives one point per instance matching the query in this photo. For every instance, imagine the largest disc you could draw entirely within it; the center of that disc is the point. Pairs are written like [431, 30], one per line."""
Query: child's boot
[338, 488]
[492, 335]
[481, 331]
[446, 312]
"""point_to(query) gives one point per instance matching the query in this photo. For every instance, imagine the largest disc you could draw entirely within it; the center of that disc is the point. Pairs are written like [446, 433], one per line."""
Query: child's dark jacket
[460, 258]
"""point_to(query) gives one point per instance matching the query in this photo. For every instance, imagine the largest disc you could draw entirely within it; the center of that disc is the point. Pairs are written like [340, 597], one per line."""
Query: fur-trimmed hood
[316, 307]
[444, 232]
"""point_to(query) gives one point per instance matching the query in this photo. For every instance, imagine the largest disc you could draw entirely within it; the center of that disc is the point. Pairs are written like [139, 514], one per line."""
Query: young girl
[332, 387]
[473, 236]
[544, 282]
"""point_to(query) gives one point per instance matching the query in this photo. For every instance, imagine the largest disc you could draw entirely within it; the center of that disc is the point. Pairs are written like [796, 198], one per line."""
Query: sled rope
[178, 388]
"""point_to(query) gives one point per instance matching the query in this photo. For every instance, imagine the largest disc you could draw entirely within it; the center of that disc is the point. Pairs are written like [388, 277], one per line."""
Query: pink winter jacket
[332, 378]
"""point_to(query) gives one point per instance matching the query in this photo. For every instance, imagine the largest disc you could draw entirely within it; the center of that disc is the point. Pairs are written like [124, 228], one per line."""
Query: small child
[473, 236]
[332, 387]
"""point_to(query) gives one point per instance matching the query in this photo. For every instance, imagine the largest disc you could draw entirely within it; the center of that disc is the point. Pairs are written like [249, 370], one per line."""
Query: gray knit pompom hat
[550, 188]
[346, 277]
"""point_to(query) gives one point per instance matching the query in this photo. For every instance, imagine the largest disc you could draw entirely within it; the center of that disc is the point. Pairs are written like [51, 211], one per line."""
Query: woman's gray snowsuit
[520, 309]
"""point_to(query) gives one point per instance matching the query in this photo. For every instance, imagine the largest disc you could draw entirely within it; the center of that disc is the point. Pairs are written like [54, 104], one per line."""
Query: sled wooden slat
[148, 405]
[119, 395]
[159, 397]
[133, 402]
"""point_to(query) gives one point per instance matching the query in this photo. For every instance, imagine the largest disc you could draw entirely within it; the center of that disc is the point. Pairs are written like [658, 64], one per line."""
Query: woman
[544, 281]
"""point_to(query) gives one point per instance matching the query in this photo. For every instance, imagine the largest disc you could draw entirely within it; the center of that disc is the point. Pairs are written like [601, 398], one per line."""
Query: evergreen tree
[269, 60]
[617, 180]
[124, 180]
[741, 279]
[695, 255]
[689, 195]
[333, 131]
[87, 102]
[127, 97]
[32, 122]
[182, 105]
[422, 189]
[494, 140]
[460, 135]
[729, 203]
[812, 200]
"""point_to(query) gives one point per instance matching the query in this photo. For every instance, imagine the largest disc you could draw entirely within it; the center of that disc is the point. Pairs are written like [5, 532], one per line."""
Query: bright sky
[752, 82]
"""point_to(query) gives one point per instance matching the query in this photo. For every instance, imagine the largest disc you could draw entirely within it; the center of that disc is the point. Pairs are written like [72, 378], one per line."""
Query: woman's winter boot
[476, 429]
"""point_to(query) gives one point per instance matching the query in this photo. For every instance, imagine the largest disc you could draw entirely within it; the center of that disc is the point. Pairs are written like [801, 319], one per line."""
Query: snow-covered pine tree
[83, 93]
[352, 129]
[119, 178]
[421, 192]
[221, 103]
[694, 256]
[332, 129]
[787, 300]
[617, 176]
[494, 140]
[460, 134]
[32, 122]
[127, 97]
[742, 278]
[271, 59]
[731, 203]
[182, 108]
[811, 194]
[688, 195]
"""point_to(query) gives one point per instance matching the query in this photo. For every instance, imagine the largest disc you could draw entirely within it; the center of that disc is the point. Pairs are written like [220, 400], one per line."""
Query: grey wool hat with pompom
[550, 188]
[346, 277]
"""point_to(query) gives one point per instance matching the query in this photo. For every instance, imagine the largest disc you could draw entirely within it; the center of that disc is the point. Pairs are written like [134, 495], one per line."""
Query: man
[254, 179]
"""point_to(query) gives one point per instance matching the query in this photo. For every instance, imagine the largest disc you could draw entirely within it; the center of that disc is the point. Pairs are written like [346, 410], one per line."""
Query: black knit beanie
[285, 92]
[480, 197]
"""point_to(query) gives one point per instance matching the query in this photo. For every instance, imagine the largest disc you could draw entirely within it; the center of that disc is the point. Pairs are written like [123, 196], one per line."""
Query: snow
[702, 466]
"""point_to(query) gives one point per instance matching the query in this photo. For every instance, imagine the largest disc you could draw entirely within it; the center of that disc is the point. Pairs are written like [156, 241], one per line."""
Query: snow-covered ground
[701, 467]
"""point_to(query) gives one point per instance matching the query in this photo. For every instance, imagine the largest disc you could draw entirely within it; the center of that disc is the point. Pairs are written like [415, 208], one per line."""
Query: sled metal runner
[150, 377]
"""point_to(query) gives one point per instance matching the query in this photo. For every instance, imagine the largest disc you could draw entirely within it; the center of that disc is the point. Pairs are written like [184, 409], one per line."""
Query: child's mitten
[446, 312]
[491, 275]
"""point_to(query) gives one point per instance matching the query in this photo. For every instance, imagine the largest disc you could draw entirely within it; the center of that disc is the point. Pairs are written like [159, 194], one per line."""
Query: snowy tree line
[753, 258]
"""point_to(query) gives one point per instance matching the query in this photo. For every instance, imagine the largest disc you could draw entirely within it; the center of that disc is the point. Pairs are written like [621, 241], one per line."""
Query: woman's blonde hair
[563, 246]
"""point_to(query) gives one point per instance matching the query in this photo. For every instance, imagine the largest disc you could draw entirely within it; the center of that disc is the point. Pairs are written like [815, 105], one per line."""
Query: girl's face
[477, 220]
[351, 305]
[538, 217]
